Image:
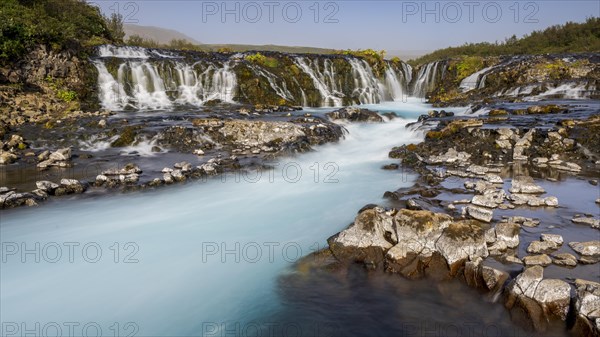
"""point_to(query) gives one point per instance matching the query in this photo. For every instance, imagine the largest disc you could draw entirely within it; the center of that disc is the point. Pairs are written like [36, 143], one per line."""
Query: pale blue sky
[391, 25]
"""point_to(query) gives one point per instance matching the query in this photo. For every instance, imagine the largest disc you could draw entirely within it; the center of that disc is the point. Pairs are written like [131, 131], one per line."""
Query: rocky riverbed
[506, 201]
[121, 151]
[506, 205]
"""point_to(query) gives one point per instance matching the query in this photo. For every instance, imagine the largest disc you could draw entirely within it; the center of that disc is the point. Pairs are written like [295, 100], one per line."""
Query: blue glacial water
[176, 261]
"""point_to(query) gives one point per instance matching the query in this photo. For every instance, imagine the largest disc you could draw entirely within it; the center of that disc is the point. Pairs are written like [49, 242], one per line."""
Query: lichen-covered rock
[417, 233]
[7, 157]
[537, 260]
[70, 186]
[548, 242]
[507, 232]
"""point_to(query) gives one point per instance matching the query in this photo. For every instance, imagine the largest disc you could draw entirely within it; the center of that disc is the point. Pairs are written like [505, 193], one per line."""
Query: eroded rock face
[535, 301]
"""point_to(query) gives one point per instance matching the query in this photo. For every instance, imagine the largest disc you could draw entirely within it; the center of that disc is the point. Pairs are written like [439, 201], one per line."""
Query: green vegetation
[62, 93]
[376, 59]
[570, 37]
[57, 23]
[468, 65]
[179, 44]
[372, 56]
[262, 60]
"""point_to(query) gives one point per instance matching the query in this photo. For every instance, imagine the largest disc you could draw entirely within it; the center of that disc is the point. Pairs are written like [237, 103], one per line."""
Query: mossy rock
[126, 138]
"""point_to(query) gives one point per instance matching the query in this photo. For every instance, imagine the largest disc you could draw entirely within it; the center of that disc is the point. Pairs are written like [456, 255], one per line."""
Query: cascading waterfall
[426, 79]
[281, 90]
[476, 80]
[149, 79]
[324, 81]
[162, 82]
[397, 81]
[367, 87]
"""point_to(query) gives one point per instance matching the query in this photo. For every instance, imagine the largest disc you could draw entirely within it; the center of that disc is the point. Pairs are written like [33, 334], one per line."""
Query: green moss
[126, 138]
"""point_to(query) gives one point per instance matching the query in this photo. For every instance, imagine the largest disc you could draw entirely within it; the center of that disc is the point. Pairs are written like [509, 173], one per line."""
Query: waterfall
[151, 79]
[426, 79]
[367, 88]
[476, 80]
[160, 83]
[397, 82]
[282, 91]
[324, 81]
[111, 94]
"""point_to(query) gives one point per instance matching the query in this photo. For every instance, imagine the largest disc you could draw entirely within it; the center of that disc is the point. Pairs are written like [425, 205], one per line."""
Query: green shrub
[260, 59]
[66, 95]
[56, 23]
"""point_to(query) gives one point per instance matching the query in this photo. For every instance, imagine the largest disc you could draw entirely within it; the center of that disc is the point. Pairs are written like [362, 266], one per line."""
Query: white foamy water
[476, 80]
[171, 289]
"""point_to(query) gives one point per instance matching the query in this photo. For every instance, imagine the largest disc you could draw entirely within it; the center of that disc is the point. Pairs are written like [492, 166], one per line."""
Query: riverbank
[506, 205]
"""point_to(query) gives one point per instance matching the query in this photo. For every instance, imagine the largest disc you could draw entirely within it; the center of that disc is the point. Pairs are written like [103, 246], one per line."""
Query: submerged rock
[594, 223]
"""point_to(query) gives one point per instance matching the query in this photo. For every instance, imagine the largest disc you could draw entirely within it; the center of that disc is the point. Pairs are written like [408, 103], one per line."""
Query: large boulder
[431, 244]
[367, 239]
[587, 308]
[417, 233]
[537, 302]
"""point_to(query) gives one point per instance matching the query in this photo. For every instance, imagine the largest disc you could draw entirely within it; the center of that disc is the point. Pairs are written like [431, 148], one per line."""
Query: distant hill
[270, 47]
[406, 54]
[158, 34]
[572, 37]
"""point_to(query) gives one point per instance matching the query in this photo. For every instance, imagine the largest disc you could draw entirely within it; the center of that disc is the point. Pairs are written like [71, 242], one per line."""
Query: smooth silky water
[173, 285]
